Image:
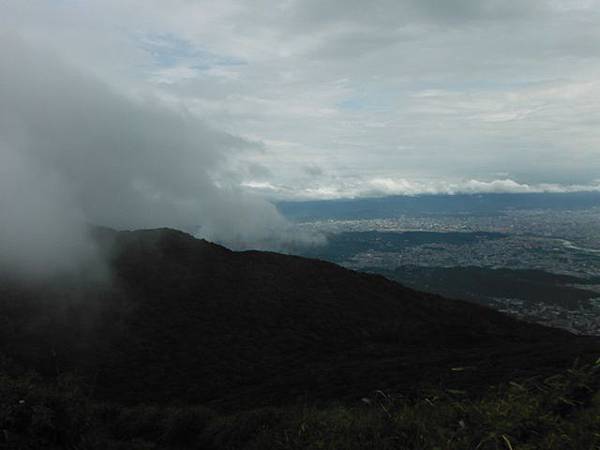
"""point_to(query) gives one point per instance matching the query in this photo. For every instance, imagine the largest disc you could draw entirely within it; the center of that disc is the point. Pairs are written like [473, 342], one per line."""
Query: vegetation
[190, 345]
[185, 319]
[558, 412]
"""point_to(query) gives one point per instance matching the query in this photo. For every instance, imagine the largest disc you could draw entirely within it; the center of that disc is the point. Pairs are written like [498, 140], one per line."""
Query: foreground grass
[560, 412]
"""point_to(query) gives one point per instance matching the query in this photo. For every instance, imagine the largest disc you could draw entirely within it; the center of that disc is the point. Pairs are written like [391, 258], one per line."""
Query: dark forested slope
[184, 320]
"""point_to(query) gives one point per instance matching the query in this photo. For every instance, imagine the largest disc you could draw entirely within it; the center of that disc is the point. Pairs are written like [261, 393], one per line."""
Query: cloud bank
[75, 151]
[380, 187]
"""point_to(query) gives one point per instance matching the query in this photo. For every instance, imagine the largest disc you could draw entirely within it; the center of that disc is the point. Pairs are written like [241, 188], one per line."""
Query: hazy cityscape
[561, 242]
[578, 321]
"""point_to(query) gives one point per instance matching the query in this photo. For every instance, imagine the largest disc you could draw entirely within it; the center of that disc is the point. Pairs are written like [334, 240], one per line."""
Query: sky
[344, 98]
[199, 114]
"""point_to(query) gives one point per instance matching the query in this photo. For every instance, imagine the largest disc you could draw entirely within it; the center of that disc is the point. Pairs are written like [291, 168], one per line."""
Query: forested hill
[185, 320]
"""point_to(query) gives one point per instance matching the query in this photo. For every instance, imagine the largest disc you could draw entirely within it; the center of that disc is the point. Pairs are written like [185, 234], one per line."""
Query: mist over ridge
[73, 152]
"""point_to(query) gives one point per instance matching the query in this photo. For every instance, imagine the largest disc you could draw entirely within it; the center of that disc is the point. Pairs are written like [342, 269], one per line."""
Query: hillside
[186, 321]
[479, 284]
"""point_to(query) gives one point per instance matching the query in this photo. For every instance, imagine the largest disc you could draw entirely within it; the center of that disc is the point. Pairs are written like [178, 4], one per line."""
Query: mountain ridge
[187, 320]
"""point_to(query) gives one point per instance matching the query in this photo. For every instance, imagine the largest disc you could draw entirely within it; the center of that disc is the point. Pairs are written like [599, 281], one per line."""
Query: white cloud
[380, 187]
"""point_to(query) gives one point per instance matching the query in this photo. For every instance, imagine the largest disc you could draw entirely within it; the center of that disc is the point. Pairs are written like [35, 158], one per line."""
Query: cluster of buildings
[513, 251]
[561, 242]
[585, 321]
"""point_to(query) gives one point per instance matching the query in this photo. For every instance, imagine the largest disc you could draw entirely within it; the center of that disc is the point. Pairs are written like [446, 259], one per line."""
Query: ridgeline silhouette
[187, 321]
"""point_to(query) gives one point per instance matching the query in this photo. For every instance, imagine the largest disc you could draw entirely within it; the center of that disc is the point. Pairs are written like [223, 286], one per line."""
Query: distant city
[562, 245]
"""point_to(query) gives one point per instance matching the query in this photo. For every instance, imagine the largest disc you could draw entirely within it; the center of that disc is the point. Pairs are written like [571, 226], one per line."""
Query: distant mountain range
[185, 320]
[472, 204]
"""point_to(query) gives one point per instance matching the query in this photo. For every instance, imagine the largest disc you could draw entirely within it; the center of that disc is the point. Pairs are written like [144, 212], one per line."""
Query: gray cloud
[73, 150]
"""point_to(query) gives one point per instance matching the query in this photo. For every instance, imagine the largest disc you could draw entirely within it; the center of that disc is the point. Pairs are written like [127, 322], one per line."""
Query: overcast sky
[344, 98]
